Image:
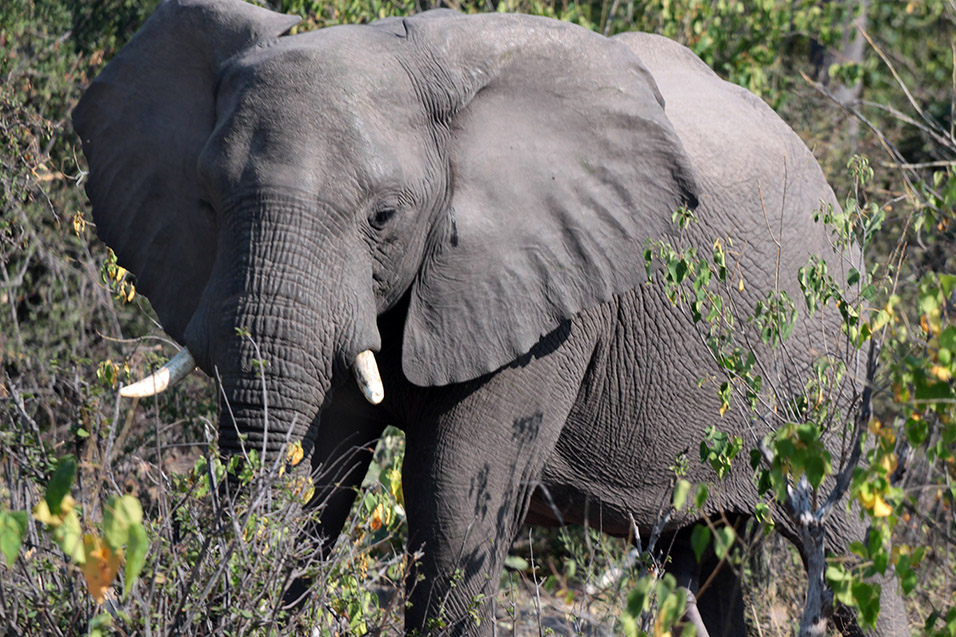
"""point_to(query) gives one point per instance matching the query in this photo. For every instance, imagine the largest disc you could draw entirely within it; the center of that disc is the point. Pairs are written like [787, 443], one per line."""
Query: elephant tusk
[162, 379]
[366, 375]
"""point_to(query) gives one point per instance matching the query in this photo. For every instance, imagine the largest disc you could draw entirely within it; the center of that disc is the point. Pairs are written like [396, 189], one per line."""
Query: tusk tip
[368, 377]
[375, 396]
[178, 367]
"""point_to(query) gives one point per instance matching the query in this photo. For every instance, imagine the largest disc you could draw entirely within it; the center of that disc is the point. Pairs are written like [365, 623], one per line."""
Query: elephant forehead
[311, 110]
[331, 69]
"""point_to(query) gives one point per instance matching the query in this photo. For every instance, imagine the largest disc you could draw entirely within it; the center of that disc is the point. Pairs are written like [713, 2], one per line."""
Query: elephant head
[274, 194]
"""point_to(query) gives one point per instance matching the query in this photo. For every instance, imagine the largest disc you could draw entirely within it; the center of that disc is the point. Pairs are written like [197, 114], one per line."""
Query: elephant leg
[714, 595]
[685, 569]
[349, 430]
[469, 474]
[720, 601]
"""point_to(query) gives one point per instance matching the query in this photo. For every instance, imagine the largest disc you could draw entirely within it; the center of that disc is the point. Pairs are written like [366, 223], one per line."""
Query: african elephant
[468, 197]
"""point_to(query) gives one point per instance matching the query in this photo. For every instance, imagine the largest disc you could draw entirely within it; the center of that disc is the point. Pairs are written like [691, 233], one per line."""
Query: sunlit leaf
[723, 540]
[79, 223]
[880, 508]
[681, 489]
[380, 517]
[136, 549]
[295, 453]
[13, 526]
[102, 565]
[69, 536]
[118, 515]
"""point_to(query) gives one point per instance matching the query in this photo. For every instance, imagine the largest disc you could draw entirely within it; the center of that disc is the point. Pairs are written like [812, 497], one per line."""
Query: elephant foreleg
[685, 569]
[714, 595]
[468, 476]
[349, 430]
[721, 602]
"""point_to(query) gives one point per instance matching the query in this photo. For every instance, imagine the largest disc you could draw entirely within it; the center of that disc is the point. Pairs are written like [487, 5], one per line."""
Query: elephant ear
[143, 123]
[563, 164]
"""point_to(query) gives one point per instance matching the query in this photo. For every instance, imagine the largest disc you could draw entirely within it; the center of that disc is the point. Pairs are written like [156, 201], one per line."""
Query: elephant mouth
[364, 368]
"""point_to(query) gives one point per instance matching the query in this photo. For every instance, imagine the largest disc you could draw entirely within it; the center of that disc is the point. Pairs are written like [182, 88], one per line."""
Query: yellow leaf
[394, 477]
[102, 565]
[880, 508]
[79, 223]
[940, 372]
[889, 462]
[42, 513]
[303, 488]
[379, 517]
[295, 453]
[740, 285]
[131, 293]
[67, 504]
[363, 563]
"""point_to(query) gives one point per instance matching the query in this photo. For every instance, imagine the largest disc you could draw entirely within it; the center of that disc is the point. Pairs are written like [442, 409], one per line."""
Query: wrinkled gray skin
[469, 197]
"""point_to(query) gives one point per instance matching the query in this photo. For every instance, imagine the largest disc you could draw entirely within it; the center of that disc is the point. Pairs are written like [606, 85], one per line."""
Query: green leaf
[699, 539]
[99, 624]
[763, 514]
[723, 541]
[840, 582]
[672, 602]
[69, 537]
[867, 598]
[517, 563]
[138, 545]
[905, 574]
[60, 483]
[118, 515]
[13, 526]
[681, 489]
[629, 626]
[816, 469]
[639, 600]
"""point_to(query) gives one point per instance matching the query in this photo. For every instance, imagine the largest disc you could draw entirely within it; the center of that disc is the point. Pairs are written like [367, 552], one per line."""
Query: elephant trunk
[286, 312]
[272, 383]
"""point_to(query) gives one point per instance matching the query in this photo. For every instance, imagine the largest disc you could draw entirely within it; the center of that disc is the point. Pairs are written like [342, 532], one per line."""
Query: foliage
[792, 461]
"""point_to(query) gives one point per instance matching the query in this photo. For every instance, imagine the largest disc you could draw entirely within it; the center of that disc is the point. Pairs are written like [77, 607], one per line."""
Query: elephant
[453, 209]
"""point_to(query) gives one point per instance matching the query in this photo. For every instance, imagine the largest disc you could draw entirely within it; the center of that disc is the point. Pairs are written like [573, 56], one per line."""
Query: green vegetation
[114, 517]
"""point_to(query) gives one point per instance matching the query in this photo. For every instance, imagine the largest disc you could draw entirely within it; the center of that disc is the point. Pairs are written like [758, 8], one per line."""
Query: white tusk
[366, 375]
[163, 378]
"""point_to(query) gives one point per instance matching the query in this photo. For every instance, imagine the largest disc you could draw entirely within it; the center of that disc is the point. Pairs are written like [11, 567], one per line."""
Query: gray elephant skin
[469, 197]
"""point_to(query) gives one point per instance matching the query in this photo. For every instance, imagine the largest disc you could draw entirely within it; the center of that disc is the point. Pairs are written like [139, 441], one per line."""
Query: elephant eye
[381, 217]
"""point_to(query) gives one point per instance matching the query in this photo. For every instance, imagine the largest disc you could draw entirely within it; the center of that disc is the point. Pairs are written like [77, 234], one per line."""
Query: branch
[860, 424]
